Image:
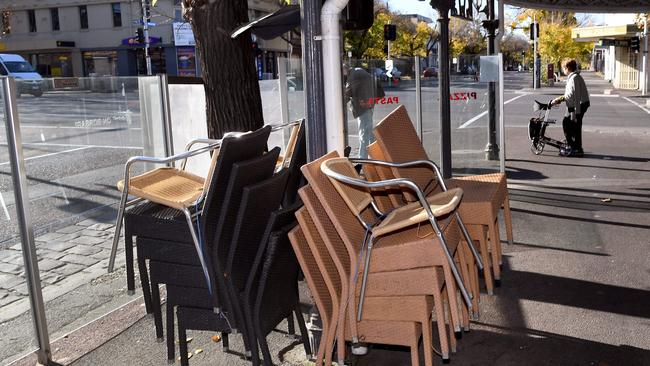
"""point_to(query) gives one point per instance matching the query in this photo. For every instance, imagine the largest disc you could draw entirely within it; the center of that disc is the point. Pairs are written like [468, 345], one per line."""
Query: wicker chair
[176, 188]
[271, 292]
[326, 287]
[420, 255]
[320, 230]
[184, 285]
[251, 214]
[484, 196]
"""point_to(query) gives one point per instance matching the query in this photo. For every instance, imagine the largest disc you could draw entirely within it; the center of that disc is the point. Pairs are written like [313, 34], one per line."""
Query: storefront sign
[186, 58]
[133, 41]
[65, 44]
[183, 35]
[462, 96]
[63, 83]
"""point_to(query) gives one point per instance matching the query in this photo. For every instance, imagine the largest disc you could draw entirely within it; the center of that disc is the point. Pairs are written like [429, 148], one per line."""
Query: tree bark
[232, 93]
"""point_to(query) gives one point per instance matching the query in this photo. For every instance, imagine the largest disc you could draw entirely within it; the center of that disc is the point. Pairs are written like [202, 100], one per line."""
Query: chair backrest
[346, 223]
[399, 143]
[297, 159]
[277, 294]
[257, 204]
[322, 292]
[243, 174]
[357, 198]
[233, 149]
[386, 199]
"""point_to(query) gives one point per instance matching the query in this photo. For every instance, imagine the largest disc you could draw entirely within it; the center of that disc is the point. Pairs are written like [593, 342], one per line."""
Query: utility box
[550, 74]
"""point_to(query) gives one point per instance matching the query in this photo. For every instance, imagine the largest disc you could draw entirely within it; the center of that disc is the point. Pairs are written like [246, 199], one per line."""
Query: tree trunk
[232, 93]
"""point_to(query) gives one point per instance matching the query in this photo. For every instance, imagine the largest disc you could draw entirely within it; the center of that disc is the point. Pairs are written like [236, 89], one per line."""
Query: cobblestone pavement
[67, 258]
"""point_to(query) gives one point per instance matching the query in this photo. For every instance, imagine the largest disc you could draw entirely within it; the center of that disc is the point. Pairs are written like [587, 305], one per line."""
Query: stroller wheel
[537, 147]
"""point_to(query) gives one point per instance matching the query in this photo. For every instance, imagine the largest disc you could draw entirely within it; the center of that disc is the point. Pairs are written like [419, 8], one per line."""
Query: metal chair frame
[402, 182]
[211, 145]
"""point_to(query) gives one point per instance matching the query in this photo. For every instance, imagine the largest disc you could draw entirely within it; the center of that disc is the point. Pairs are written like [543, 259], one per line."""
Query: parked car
[430, 72]
[28, 80]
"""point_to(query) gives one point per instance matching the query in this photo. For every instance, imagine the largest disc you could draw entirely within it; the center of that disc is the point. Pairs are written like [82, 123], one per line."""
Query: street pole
[443, 7]
[535, 67]
[145, 31]
[644, 87]
[491, 149]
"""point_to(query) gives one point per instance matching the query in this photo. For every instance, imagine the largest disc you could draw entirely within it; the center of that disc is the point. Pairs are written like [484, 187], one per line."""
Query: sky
[424, 8]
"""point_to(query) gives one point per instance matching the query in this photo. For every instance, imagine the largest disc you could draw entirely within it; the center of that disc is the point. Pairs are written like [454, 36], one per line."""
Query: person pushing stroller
[576, 97]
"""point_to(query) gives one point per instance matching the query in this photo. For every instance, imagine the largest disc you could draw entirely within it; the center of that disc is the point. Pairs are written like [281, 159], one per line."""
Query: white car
[28, 80]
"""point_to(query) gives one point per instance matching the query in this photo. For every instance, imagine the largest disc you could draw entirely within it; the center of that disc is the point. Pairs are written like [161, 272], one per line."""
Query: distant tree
[555, 44]
[466, 37]
[512, 46]
[412, 37]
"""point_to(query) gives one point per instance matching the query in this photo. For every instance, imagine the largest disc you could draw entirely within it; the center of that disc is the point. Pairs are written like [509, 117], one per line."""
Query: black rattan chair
[257, 203]
[271, 292]
[185, 284]
[156, 221]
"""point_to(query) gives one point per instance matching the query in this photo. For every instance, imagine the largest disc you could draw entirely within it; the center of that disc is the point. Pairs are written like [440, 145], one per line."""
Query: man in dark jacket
[360, 90]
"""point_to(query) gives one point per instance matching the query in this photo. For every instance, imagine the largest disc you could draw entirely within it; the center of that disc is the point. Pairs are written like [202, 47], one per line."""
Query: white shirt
[575, 92]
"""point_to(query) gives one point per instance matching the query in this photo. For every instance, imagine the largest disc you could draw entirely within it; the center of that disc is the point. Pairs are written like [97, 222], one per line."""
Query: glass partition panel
[373, 89]
[16, 326]
[77, 137]
[469, 107]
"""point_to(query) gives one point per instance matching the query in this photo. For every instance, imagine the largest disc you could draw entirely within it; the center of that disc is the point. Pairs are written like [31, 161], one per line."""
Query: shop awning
[273, 25]
[586, 6]
[593, 34]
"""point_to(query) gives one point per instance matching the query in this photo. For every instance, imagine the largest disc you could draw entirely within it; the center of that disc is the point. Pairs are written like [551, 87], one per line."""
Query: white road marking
[637, 104]
[76, 128]
[50, 154]
[604, 95]
[80, 145]
[476, 118]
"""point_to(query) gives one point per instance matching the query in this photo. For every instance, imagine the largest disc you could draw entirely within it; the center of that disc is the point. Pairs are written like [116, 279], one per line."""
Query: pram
[537, 129]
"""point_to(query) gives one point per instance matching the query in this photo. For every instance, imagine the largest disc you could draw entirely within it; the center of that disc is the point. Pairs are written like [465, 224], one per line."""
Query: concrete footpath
[574, 286]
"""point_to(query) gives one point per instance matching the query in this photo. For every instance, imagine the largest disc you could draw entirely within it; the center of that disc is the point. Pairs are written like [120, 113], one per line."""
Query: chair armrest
[406, 164]
[397, 182]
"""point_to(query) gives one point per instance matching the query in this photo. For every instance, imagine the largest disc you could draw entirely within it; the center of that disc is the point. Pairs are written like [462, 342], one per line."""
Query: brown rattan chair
[326, 241]
[319, 270]
[484, 195]
[420, 253]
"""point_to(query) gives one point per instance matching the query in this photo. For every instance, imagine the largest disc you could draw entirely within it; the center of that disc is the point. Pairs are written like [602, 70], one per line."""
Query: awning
[273, 25]
[593, 34]
[586, 6]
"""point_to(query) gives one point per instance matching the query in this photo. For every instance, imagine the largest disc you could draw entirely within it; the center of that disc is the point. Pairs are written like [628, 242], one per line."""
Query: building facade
[65, 38]
[613, 54]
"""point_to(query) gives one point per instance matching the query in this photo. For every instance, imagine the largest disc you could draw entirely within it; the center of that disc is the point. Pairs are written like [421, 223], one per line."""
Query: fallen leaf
[198, 350]
[189, 339]
[606, 200]
[216, 338]
[189, 355]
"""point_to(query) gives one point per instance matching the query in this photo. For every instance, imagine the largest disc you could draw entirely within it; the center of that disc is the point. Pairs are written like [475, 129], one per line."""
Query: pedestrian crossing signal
[635, 45]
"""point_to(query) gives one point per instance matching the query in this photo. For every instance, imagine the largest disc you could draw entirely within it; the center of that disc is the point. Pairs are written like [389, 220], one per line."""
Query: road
[76, 143]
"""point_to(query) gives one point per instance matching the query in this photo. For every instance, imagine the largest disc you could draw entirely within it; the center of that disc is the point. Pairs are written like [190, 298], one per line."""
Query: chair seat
[413, 213]
[171, 187]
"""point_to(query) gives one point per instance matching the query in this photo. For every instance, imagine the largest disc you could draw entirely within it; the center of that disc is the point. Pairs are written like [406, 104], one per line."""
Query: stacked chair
[484, 195]
[374, 295]
[237, 225]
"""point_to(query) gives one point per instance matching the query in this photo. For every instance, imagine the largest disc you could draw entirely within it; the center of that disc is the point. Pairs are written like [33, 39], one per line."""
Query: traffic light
[534, 31]
[635, 45]
[139, 35]
[390, 32]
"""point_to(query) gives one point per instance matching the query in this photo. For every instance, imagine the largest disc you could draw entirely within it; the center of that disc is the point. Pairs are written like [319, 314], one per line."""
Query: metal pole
[418, 99]
[145, 31]
[28, 245]
[312, 62]
[443, 87]
[644, 87]
[502, 122]
[535, 67]
[491, 149]
[166, 115]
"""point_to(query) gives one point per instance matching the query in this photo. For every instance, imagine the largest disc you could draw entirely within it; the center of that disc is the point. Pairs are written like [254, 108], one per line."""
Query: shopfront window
[158, 65]
[100, 63]
[54, 64]
[186, 61]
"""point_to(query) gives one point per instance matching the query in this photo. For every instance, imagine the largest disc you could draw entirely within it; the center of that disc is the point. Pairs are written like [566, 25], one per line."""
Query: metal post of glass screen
[418, 98]
[502, 123]
[166, 115]
[284, 89]
[28, 245]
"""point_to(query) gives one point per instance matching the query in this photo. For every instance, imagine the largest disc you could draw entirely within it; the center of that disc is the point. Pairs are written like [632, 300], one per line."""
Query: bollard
[315, 330]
